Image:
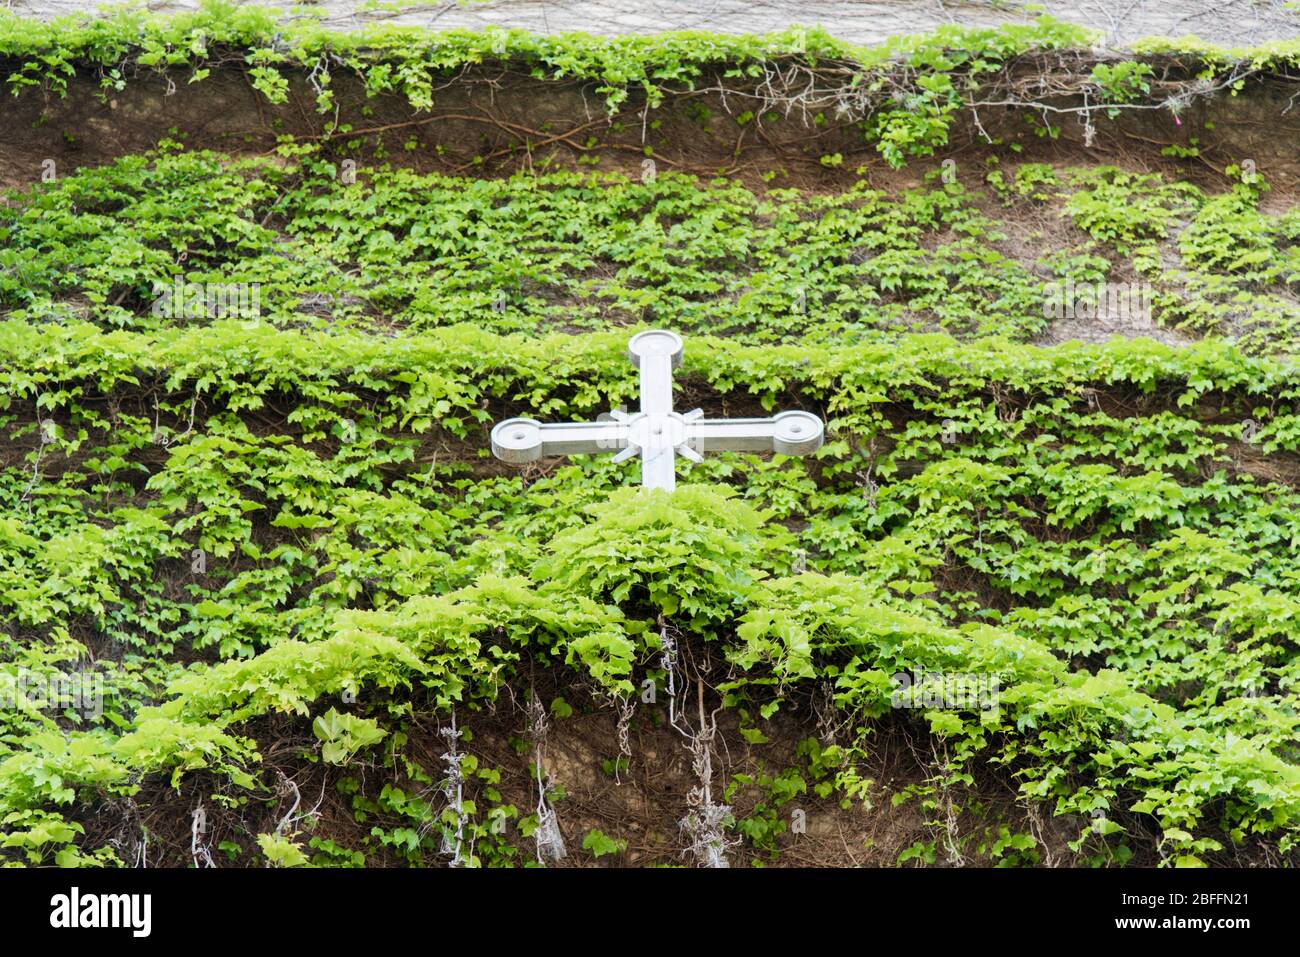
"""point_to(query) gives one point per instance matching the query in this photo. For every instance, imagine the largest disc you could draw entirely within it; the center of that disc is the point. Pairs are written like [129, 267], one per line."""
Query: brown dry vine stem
[542, 138]
[1049, 83]
[453, 790]
[705, 822]
[622, 731]
[287, 786]
[548, 837]
[1034, 81]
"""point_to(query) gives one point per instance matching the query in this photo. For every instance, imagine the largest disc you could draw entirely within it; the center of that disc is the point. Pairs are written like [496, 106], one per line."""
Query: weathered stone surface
[1233, 22]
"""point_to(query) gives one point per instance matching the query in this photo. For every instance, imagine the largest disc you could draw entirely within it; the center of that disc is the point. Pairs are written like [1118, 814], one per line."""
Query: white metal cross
[657, 433]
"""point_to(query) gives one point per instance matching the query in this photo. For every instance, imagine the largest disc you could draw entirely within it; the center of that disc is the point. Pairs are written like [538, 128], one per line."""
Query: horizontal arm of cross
[790, 433]
[526, 440]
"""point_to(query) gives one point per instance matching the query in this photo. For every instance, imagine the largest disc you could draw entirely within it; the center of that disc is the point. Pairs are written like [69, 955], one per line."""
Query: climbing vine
[273, 540]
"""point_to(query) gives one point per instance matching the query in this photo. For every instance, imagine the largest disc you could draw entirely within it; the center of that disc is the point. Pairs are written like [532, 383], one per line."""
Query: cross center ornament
[657, 433]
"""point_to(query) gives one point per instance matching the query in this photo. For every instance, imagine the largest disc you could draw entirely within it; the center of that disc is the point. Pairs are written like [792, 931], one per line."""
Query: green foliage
[1128, 210]
[688, 554]
[910, 88]
[554, 250]
[408, 60]
[562, 250]
[601, 844]
[1134, 614]
[764, 823]
[343, 735]
[221, 519]
[281, 852]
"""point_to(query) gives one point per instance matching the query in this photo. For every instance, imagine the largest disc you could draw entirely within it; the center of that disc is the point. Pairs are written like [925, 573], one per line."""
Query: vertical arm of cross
[656, 353]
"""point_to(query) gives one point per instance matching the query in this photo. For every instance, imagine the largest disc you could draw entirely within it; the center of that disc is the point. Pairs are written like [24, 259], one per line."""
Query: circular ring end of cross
[517, 440]
[797, 433]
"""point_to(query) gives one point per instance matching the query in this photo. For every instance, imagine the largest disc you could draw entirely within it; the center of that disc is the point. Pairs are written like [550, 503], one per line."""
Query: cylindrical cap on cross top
[655, 342]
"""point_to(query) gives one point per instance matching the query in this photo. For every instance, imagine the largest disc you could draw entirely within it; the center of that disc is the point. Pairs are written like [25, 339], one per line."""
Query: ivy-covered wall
[246, 498]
